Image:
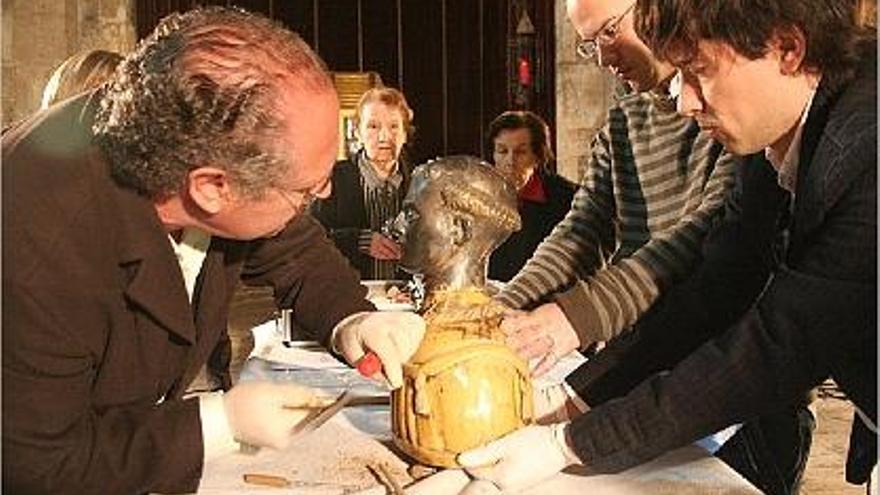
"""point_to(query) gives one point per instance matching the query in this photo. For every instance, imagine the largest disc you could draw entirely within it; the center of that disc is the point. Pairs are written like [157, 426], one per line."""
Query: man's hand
[264, 414]
[383, 248]
[544, 334]
[393, 336]
[521, 459]
[451, 481]
[556, 404]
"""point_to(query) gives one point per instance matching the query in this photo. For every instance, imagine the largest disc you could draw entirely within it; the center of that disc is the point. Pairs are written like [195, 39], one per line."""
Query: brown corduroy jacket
[99, 338]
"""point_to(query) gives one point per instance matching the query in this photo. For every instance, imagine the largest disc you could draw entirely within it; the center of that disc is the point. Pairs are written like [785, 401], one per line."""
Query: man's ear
[208, 188]
[460, 230]
[792, 47]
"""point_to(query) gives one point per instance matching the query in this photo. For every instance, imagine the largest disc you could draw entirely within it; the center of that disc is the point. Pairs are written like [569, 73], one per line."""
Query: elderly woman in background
[521, 152]
[80, 72]
[369, 187]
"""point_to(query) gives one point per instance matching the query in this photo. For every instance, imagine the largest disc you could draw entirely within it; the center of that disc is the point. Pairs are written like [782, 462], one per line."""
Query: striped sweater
[652, 189]
[382, 201]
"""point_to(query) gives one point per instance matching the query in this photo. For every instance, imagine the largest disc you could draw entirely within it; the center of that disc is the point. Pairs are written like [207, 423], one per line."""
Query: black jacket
[816, 317]
[718, 292]
[538, 219]
[344, 213]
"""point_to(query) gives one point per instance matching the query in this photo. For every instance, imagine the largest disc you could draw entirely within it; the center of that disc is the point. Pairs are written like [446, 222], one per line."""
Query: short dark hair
[672, 29]
[523, 119]
[202, 88]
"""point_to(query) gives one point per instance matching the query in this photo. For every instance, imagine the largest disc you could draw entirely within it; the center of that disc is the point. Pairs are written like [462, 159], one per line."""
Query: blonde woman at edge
[79, 73]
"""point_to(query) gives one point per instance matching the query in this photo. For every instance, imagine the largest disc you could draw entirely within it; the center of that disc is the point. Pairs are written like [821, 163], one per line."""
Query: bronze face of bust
[457, 211]
[464, 386]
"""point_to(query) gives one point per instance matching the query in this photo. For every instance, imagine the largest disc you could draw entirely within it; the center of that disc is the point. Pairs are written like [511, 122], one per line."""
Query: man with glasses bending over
[129, 216]
[654, 188]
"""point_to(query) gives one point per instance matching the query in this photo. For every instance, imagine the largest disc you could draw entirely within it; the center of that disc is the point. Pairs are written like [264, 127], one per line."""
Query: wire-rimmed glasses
[588, 49]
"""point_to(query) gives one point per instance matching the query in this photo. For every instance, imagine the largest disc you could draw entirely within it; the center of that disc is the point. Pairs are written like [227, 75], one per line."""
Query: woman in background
[521, 152]
[79, 73]
[368, 188]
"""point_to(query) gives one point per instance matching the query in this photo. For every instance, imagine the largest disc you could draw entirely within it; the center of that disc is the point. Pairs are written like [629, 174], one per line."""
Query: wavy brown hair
[203, 88]
[834, 43]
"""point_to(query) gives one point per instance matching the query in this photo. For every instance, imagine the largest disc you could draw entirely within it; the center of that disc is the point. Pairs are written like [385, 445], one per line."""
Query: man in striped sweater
[653, 186]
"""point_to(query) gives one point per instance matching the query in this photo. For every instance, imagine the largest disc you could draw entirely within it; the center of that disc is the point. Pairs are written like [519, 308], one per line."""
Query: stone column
[39, 34]
[583, 94]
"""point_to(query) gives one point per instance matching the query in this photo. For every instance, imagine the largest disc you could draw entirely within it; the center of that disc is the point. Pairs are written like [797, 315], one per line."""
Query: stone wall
[37, 35]
[583, 94]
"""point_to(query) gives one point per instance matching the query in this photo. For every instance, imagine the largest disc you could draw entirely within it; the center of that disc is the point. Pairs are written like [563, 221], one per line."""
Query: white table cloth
[334, 458]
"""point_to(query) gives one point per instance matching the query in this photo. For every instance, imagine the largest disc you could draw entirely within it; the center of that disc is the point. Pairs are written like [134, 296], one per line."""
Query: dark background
[456, 61]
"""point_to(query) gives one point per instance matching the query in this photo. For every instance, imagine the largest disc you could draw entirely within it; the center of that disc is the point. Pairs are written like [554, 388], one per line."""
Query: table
[334, 458]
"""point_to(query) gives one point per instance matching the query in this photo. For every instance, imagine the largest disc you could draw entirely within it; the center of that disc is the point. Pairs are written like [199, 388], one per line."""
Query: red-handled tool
[369, 365]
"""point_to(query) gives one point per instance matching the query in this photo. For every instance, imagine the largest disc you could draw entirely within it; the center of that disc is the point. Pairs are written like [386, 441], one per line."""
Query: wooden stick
[384, 477]
[266, 480]
[366, 400]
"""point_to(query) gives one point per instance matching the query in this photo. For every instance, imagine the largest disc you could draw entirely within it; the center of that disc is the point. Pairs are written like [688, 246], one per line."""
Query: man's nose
[605, 55]
[384, 134]
[690, 100]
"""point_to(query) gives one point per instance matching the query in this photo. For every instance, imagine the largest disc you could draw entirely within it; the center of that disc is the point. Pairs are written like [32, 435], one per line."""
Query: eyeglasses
[306, 196]
[588, 49]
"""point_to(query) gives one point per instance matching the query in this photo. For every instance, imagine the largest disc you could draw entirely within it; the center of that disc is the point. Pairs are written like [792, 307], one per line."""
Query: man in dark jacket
[129, 215]
[797, 81]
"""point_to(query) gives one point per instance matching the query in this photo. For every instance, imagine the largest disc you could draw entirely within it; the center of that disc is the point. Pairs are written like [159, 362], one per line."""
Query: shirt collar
[787, 164]
[191, 252]
[534, 190]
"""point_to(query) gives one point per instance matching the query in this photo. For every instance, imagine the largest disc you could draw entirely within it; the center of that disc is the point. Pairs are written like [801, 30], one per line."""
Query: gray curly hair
[203, 88]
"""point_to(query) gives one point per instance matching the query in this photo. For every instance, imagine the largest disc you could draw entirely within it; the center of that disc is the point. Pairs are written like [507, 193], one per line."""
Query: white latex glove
[393, 336]
[557, 403]
[522, 458]
[544, 334]
[480, 487]
[383, 248]
[445, 482]
[256, 412]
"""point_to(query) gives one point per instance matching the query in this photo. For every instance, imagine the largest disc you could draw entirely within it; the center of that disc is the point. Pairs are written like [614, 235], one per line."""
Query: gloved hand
[557, 403]
[480, 487]
[449, 481]
[446, 481]
[261, 413]
[522, 458]
[383, 248]
[394, 336]
[544, 334]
